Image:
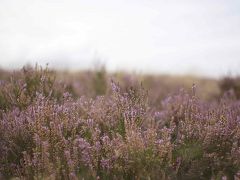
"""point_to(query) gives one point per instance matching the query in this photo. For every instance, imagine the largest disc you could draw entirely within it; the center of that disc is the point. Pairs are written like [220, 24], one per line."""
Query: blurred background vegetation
[93, 83]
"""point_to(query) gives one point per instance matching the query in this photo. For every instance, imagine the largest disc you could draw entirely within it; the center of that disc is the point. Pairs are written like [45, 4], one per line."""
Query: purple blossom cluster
[48, 132]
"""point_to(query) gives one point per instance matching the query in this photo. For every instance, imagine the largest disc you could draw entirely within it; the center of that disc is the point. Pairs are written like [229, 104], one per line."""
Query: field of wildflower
[96, 125]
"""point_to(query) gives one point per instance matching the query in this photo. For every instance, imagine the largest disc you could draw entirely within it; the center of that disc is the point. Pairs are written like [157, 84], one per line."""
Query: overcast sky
[158, 36]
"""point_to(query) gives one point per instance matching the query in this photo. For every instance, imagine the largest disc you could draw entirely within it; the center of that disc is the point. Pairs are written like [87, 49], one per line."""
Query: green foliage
[189, 151]
[121, 128]
[100, 81]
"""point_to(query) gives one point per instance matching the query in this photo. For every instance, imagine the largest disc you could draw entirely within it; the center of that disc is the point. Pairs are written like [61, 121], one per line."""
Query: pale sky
[201, 37]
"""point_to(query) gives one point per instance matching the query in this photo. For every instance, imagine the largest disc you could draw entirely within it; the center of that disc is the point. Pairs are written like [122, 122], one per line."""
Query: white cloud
[149, 35]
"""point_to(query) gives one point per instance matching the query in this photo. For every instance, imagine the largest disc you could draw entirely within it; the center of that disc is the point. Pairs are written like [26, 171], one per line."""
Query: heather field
[99, 125]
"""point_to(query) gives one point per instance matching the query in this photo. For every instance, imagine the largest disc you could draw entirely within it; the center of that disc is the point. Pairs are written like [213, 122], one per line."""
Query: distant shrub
[21, 88]
[100, 81]
[230, 84]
